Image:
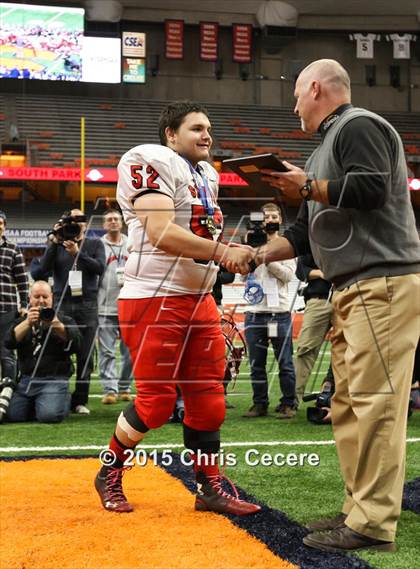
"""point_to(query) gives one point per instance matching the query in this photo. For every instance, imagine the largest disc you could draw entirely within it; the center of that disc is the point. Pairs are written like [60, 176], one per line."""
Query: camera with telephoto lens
[46, 314]
[69, 228]
[7, 386]
[256, 234]
[319, 415]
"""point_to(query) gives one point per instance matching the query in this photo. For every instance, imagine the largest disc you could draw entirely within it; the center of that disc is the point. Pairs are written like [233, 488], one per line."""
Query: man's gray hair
[40, 282]
[327, 71]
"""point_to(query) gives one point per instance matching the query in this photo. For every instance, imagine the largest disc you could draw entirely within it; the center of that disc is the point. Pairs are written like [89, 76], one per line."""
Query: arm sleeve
[302, 269]
[92, 261]
[284, 271]
[21, 278]
[364, 150]
[226, 277]
[46, 262]
[297, 234]
[147, 170]
[36, 271]
[73, 333]
[10, 338]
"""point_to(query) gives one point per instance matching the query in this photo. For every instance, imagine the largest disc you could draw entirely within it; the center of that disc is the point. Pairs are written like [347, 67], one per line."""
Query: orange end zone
[51, 517]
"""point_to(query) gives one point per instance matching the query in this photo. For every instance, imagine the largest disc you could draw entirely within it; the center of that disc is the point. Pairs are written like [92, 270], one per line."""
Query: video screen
[41, 42]
[101, 60]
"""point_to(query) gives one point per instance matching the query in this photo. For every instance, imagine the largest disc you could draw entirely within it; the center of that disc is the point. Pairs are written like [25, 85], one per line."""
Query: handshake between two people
[243, 259]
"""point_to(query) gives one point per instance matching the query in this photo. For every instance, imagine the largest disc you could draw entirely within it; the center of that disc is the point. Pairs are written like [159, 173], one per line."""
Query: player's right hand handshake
[237, 258]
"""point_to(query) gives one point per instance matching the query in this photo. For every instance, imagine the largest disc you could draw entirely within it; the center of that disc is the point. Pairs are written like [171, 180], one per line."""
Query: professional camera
[46, 314]
[319, 415]
[69, 228]
[256, 234]
[7, 386]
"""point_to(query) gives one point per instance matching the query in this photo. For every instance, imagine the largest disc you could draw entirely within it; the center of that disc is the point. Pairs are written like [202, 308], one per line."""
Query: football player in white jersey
[168, 317]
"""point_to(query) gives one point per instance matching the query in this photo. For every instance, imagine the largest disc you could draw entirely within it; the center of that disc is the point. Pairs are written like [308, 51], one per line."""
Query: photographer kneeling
[44, 344]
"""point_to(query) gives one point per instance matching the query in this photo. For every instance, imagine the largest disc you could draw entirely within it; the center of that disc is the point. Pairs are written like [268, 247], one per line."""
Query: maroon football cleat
[110, 490]
[212, 498]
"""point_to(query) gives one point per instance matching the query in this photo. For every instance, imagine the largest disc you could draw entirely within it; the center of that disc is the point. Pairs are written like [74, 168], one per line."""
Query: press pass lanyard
[202, 185]
[120, 256]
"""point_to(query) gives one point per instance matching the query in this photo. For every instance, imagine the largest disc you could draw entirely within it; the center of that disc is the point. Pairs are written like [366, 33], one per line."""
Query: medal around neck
[211, 226]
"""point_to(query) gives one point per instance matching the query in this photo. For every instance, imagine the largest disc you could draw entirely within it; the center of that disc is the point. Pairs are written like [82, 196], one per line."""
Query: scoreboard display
[41, 42]
[48, 42]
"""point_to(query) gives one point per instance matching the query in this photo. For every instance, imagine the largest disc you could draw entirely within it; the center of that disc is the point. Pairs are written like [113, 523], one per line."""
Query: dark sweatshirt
[90, 260]
[317, 288]
[53, 359]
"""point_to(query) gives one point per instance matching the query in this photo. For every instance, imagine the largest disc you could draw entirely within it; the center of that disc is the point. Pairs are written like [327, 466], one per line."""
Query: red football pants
[176, 340]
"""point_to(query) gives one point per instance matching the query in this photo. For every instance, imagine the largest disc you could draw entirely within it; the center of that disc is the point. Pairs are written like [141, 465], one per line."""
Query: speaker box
[415, 46]
[153, 64]
[370, 75]
[244, 71]
[394, 76]
[218, 68]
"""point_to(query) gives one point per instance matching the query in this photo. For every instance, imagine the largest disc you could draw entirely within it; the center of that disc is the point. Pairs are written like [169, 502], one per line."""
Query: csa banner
[134, 44]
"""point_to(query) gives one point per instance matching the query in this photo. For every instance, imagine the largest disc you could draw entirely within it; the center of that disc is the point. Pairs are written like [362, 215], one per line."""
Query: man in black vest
[358, 221]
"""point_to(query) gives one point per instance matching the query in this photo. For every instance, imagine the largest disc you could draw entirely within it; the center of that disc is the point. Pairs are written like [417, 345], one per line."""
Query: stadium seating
[52, 125]
[43, 214]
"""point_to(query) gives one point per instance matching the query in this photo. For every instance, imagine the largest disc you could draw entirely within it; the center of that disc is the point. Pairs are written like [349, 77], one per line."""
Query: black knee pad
[206, 441]
[130, 415]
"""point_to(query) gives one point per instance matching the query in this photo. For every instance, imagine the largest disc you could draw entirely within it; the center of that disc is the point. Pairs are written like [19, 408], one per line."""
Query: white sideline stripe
[230, 393]
[169, 446]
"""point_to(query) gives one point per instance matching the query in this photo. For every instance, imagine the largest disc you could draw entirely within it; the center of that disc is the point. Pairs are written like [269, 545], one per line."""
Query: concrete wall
[315, 45]
[313, 14]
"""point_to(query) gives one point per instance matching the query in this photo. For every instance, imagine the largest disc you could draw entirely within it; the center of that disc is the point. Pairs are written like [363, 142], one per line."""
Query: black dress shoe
[345, 539]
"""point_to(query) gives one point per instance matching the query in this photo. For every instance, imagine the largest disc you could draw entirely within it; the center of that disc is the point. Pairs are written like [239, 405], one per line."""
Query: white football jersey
[365, 44]
[150, 271]
[401, 44]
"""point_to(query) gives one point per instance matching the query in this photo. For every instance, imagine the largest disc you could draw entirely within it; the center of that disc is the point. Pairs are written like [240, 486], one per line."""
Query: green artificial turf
[303, 493]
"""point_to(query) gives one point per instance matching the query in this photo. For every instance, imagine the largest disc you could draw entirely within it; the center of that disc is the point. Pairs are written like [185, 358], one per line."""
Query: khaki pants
[316, 323]
[376, 329]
